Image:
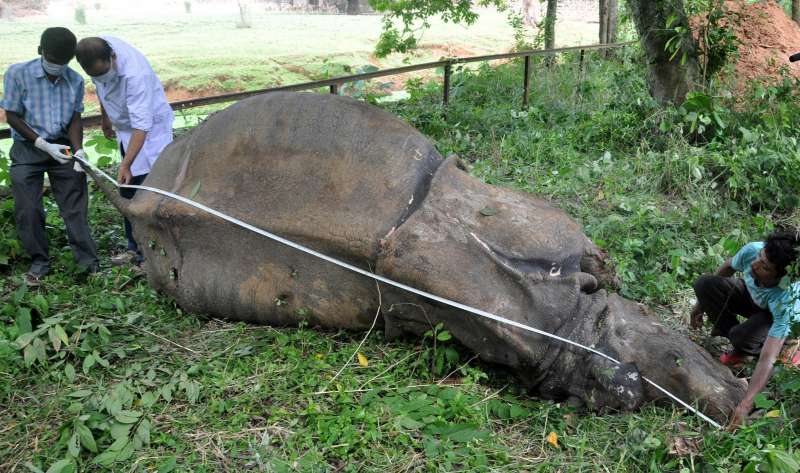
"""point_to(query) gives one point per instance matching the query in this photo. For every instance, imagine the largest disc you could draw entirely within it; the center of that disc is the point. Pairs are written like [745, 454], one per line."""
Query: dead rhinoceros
[356, 183]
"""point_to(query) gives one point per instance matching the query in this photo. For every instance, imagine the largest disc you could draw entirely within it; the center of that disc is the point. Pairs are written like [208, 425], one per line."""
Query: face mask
[110, 75]
[53, 69]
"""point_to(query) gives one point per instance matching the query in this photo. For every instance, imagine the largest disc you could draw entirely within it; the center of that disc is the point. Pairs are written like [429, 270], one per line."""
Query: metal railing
[334, 82]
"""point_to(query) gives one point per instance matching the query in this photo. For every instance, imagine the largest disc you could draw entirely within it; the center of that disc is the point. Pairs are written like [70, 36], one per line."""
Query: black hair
[781, 249]
[59, 43]
[91, 50]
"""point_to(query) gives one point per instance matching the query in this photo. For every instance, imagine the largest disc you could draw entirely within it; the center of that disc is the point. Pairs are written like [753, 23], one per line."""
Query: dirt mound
[768, 38]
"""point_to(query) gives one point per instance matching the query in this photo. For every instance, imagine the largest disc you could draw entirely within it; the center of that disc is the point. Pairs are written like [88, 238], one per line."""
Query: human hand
[108, 129]
[696, 317]
[55, 151]
[739, 416]
[124, 176]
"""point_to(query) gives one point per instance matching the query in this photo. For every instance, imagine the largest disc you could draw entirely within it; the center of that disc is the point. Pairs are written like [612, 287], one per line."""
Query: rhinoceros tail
[109, 189]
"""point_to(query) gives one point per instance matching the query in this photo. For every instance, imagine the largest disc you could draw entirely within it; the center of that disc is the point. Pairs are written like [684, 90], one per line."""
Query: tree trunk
[796, 10]
[603, 21]
[353, 8]
[611, 21]
[608, 21]
[550, 24]
[669, 79]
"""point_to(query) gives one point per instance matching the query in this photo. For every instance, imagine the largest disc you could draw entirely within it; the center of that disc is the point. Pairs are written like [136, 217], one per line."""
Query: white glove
[79, 154]
[54, 150]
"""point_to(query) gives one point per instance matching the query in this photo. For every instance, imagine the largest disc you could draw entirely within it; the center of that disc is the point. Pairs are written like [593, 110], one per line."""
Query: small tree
[550, 24]
[608, 21]
[796, 10]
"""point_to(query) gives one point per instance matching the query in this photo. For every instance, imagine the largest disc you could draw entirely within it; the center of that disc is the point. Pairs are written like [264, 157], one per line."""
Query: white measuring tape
[427, 295]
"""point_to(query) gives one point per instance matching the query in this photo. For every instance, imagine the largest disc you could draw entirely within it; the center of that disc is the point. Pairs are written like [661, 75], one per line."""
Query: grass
[136, 384]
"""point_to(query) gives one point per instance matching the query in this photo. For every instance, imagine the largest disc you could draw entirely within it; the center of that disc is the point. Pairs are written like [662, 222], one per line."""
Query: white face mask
[53, 69]
[107, 77]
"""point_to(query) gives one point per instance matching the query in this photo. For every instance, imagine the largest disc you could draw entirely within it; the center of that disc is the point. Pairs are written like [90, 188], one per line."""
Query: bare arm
[16, 122]
[75, 132]
[726, 270]
[134, 146]
[105, 124]
[769, 353]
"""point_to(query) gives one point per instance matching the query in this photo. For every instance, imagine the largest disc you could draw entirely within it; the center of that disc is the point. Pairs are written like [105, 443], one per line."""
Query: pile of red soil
[769, 37]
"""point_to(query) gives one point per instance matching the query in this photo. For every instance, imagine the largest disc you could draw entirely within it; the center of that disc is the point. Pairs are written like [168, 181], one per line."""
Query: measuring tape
[355, 269]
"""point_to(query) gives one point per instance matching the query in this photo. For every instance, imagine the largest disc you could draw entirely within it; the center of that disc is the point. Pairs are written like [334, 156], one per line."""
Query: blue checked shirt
[47, 107]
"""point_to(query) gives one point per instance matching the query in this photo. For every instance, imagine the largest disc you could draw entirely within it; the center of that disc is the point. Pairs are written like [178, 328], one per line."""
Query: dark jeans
[722, 299]
[128, 194]
[28, 165]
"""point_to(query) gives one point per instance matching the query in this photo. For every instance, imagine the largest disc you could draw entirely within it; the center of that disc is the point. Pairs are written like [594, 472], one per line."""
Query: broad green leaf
[127, 417]
[23, 322]
[149, 398]
[106, 458]
[126, 452]
[86, 437]
[54, 340]
[443, 336]
[88, 362]
[168, 465]
[143, 431]
[23, 340]
[62, 335]
[119, 431]
[405, 422]
[59, 466]
[32, 467]
[69, 371]
[74, 446]
[488, 211]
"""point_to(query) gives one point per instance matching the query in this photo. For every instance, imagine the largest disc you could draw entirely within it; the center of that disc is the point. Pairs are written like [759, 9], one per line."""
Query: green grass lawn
[116, 377]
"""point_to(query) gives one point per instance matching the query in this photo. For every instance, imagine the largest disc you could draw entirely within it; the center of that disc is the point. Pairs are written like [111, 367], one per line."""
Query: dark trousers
[722, 299]
[128, 194]
[28, 165]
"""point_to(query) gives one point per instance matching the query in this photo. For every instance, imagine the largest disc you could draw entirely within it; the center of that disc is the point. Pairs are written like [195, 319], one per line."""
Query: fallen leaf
[362, 360]
[683, 446]
[552, 439]
[488, 211]
[775, 413]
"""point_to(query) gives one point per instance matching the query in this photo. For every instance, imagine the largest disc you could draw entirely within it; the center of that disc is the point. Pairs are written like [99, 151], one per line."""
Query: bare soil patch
[769, 37]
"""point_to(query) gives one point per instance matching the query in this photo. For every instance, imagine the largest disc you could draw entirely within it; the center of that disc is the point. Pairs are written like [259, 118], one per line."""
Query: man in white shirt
[133, 105]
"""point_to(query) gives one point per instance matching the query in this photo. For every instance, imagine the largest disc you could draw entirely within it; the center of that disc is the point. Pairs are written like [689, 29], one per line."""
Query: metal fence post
[335, 89]
[526, 82]
[446, 95]
[580, 66]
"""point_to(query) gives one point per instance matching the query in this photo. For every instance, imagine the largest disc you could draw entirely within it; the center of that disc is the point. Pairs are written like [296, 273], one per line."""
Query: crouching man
[768, 305]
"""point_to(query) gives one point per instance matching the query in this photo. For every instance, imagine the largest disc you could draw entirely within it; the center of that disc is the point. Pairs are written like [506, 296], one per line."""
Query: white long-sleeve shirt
[135, 99]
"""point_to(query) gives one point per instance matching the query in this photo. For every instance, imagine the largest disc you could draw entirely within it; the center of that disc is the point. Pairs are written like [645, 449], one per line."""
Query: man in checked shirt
[43, 101]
